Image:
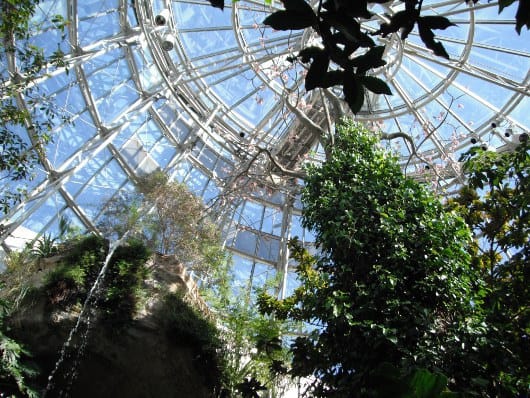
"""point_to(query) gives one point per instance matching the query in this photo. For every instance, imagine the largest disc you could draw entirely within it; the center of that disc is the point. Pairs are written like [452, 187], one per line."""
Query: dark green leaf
[427, 37]
[427, 384]
[353, 92]
[317, 71]
[435, 22]
[522, 17]
[290, 20]
[372, 59]
[375, 85]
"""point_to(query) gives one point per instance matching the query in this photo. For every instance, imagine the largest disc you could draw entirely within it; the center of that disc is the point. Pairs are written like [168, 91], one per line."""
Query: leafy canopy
[393, 281]
[21, 152]
[348, 56]
[495, 203]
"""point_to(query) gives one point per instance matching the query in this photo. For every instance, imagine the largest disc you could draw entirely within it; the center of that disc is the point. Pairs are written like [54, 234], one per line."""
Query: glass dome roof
[209, 97]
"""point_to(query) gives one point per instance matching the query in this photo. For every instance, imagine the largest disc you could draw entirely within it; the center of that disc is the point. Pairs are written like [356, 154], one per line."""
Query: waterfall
[84, 316]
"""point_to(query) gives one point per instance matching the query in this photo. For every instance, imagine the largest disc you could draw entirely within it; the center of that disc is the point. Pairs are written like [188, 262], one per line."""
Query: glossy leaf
[427, 384]
[376, 286]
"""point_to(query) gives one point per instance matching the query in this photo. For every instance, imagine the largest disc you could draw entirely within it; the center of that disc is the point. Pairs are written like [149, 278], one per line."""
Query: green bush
[71, 281]
[64, 284]
[123, 284]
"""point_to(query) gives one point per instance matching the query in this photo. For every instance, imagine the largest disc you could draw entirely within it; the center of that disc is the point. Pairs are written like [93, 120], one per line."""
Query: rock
[142, 359]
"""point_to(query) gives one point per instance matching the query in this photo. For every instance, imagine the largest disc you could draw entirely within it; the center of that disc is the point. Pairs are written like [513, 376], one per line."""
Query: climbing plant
[393, 281]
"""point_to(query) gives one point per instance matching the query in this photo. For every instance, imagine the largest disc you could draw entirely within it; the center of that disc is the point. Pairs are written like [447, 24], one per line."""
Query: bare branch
[315, 128]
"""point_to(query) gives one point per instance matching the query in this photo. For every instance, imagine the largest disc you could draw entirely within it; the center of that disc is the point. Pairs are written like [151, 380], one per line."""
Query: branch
[283, 170]
[338, 108]
[315, 128]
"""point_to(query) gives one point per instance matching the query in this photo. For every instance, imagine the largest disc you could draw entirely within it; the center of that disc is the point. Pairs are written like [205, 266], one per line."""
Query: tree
[169, 219]
[393, 282]
[256, 357]
[19, 155]
[348, 54]
[495, 203]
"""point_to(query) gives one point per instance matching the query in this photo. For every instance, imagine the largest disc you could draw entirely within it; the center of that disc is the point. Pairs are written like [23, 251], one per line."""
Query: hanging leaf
[350, 28]
[401, 19]
[354, 9]
[427, 36]
[353, 92]
[522, 17]
[218, 4]
[504, 3]
[317, 71]
[332, 78]
[435, 22]
[428, 385]
[309, 53]
[290, 20]
[298, 5]
[375, 85]
[373, 58]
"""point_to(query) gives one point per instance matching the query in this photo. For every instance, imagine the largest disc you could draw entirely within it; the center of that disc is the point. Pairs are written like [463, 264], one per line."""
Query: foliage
[13, 372]
[256, 356]
[20, 156]
[45, 247]
[16, 278]
[348, 55]
[393, 282]
[495, 203]
[70, 282]
[388, 381]
[123, 283]
[171, 220]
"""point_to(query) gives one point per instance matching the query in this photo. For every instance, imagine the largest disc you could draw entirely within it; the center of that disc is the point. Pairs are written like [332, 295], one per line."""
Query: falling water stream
[84, 317]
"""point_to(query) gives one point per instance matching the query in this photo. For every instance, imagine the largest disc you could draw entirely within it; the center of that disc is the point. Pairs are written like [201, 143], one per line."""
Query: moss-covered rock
[138, 337]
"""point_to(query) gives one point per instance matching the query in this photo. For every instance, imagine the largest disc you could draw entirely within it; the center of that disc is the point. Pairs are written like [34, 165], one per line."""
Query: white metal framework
[209, 97]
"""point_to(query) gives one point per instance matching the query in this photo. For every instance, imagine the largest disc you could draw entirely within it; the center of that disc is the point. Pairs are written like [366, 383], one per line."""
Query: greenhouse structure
[216, 98]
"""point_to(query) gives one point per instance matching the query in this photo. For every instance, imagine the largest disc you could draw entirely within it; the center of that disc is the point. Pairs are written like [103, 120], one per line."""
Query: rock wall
[141, 360]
